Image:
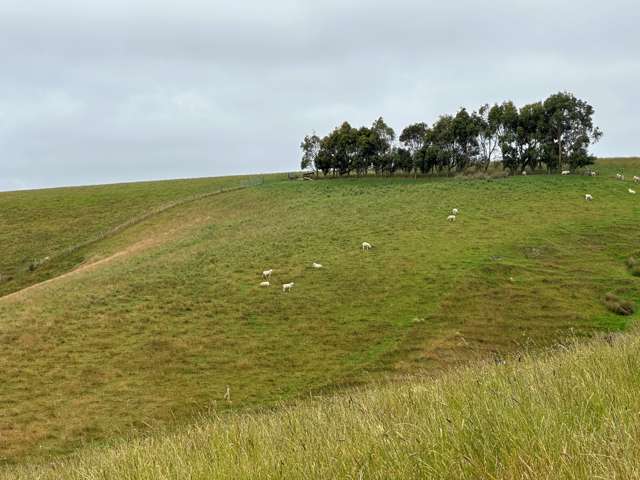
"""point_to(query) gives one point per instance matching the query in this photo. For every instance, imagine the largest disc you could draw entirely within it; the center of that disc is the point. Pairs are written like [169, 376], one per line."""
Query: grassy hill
[571, 413]
[55, 223]
[159, 317]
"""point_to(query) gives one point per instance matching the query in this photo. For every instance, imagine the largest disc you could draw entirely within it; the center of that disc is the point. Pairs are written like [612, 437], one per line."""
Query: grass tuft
[617, 305]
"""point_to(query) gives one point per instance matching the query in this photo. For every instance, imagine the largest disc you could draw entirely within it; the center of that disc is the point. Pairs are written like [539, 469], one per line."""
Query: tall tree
[385, 134]
[402, 160]
[521, 136]
[465, 134]
[569, 130]
[310, 148]
[325, 160]
[367, 150]
[442, 144]
[413, 137]
[346, 138]
[489, 125]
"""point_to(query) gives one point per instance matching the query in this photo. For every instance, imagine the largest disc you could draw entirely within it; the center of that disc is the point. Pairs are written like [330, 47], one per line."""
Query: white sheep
[636, 179]
[366, 246]
[565, 172]
[267, 274]
[454, 211]
[619, 176]
[524, 173]
[451, 218]
[287, 286]
[264, 284]
[633, 192]
[594, 174]
[588, 197]
[316, 265]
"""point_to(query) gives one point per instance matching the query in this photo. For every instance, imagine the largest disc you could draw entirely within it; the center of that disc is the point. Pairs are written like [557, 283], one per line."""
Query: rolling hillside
[569, 413]
[55, 223]
[158, 318]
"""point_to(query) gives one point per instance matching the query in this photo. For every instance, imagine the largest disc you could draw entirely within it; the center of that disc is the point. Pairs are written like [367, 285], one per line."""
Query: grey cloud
[114, 91]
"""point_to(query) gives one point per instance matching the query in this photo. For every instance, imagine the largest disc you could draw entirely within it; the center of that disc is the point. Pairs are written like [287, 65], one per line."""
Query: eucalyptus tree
[310, 148]
[569, 130]
[367, 149]
[490, 128]
[441, 149]
[520, 141]
[465, 133]
[413, 137]
[346, 138]
[402, 160]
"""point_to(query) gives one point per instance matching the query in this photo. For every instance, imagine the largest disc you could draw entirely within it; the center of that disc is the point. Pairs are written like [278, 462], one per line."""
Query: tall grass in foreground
[572, 414]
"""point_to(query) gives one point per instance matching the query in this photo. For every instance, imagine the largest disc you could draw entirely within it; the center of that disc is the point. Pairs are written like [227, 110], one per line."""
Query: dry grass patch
[571, 413]
[617, 305]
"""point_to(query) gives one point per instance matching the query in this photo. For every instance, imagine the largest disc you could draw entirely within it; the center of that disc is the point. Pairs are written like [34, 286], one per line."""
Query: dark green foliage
[521, 142]
[568, 130]
[414, 138]
[554, 134]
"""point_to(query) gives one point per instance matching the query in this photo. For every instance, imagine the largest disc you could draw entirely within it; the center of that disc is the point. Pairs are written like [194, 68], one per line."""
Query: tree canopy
[553, 134]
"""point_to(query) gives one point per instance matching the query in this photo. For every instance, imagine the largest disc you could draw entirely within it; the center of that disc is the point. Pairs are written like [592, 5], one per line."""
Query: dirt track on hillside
[93, 265]
[85, 267]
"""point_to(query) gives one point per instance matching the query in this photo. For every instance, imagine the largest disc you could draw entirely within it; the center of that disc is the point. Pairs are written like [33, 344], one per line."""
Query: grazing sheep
[451, 218]
[454, 211]
[636, 179]
[316, 265]
[366, 246]
[632, 191]
[619, 176]
[524, 173]
[264, 284]
[565, 172]
[287, 286]
[594, 174]
[588, 197]
[267, 274]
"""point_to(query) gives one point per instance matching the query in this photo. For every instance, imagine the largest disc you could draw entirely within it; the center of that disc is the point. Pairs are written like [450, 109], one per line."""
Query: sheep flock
[366, 246]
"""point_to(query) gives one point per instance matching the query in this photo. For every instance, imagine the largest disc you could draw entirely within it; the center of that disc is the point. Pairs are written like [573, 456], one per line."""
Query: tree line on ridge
[553, 134]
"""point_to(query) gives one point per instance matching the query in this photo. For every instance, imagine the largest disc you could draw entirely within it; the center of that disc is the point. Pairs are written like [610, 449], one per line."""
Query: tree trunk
[560, 151]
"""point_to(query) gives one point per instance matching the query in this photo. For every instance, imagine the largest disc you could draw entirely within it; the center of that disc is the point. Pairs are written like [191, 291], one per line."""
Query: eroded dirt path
[83, 268]
[132, 249]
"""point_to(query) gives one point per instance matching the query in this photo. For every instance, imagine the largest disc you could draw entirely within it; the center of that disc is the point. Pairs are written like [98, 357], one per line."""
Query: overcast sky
[98, 92]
